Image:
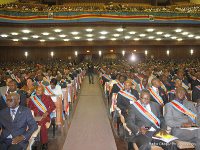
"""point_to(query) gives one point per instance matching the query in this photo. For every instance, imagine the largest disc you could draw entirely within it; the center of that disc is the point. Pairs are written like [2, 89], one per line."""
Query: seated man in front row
[13, 122]
[181, 113]
[44, 109]
[143, 127]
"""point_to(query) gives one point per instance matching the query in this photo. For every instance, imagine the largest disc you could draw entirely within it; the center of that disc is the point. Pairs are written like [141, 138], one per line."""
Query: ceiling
[128, 33]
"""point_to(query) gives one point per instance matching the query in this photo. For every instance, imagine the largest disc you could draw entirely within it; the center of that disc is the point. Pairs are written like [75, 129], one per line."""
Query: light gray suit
[3, 90]
[45, 83]
[175, 119]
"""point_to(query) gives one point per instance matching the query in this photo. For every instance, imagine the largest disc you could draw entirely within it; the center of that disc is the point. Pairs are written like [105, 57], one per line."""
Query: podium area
[90, 126]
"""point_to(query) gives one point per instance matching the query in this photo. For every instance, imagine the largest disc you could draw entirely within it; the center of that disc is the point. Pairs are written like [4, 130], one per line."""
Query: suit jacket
[162, 95]
[47, 101]
[138, 89]
[3, 90]
[62, 84]
[135, 120]
[2, 83]
[194, 83]
[23, 118]
[3, 104]
[104, 79]
[184, 81]
[175, 119]
[195, 94]
[45, 83]
[172, 96]
[115, 89]
[123, 102]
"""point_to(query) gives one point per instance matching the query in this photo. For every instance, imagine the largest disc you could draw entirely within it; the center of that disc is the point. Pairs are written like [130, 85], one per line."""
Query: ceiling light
[159, 33]
[142, 35]
[35, 36]
[127, 37]
[57, 30]
[90, 39]
[14, 33]
[103, 32]
[89, 30]
[185, 33]
[158, 39]
[132, 32]
[167, 35]
[120, 30]
[136, 39]
[66, 39]
[25, 38]
[51, 38]
[102, 37]
[174, 37]
[45, 33]
[89, 35]
[190, 35]
[116, 35]
[26, 31]
[77, 38]
[4, 35]
[113, 39]
[197, 37]
[74, 33]
[62, 35]
[150, 30]
[179, 39]
[15, 40]
[178, 30]
[42, 40]
[151, 37]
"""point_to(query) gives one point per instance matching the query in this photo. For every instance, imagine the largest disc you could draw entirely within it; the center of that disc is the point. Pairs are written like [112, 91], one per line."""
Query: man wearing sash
[134, 80]
[181, 113]
[165, 85]
[126, 96]
[196, 93]
[106, 77]
[40, 81]
[118, 86]
[143, 85]
[145, 120]
[180, 76]
[61, 82]
[42, 105]
[4, 89]
[197, 81]
[53, 88]
[191, 76]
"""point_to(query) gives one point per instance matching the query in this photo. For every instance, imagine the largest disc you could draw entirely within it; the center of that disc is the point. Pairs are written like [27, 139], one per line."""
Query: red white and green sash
[105, 76]
[49, 90]
[114, 99]
[156, 96]
[184, 110]
[193, 77]
[133, 81]
[13, 76]
[147, 114]
[120, 85]
[40, 84]
[173, 92]
[198, 87]
[69, 77]
[128, 95]
[163, 87]
[183, 85]
[5, 97]
[141, 87]
[47, 79]
[18, 80]
[139, 77]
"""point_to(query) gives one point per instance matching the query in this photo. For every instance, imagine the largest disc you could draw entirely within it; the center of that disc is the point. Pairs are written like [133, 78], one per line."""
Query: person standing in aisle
[90, 72]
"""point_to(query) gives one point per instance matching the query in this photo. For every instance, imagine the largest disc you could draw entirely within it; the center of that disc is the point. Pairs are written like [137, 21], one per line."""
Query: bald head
[156, 82]
[13, 100]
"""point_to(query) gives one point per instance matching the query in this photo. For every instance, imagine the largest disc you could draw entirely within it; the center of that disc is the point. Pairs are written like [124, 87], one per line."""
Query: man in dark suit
[122, 101]
[197, 81]
[180, 76]
[40, 81]
[2, 82]
[12, 89]
[118, 86]
[166, 84]
[90, 72]
[14, 121]
[143, 127]
[196, 93]
[61, 83]
[4, 89]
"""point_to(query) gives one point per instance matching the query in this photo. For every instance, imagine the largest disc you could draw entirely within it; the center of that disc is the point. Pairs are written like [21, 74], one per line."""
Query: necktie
[157, 91]
[13, 114]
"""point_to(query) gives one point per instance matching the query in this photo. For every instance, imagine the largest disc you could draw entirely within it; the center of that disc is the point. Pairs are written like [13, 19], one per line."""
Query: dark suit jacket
[194, 83]
[105, 79]
[3, 104]
[184, 81]
[135, 119]
[62, 84]
[172, 96]
[2, 83]
[195, 94]
[162, 95]
[115, 89]
[123, 102]
[23, 118]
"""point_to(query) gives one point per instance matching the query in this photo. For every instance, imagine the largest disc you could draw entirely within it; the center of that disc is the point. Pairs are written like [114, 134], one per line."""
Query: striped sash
[193, 77]
[133, 81]
[38, 103]
[156, 96]
[184, 110]
[13, 76]
[128, 95]
[18, 80]
[198, 87]
[105, 76]
[63, 80]
[141, 87]
[153, 76]
[40, 84]
[147, 114]
[69, 77]
[117, 80]
[47, 79]
[173, 92]
[5, 97]
[143, 73]
[114, 99]
[163, 87]
[67, 110]
[102, 71]
[183, 85]
[120, 85]
[139, 77]
[49, 90]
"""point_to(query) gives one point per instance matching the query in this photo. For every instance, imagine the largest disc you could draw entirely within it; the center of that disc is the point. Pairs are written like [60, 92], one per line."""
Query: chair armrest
[129, 131]
[34, 135]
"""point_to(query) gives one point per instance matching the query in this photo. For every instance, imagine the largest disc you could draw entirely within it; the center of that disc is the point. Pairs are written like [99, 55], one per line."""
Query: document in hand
[191, 128]
[167, 138]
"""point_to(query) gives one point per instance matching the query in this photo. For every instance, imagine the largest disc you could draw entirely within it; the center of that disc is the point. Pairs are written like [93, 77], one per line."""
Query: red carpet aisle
[90, 128]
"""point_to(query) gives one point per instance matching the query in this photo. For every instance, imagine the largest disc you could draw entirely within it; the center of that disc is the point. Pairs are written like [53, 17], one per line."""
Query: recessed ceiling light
[102, 37]
[151, 37]
[51, 38]
[178, 30]
[158, 39]
[57, 30]
[150, 30]
[4, 35]
[62, 35]
[77, 38]
[35, 36]
[127, 37]
[179, 39]
[26, 31]
[45, 33]
[167, 35]
[197, 37]
[190, 35]
[142, 35]
[25, 38]
[174, 37]
[116, 35]
[15, 40]
[132, 32]
[159, 33]
[113, 39]
[185, 33]
[66, 39]
[120, 30]
[103, 32]
[90, 39]
[42, 40]
[89, 35]
[89, 30]
[136, 39]
[14, 33]
[74, 33]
